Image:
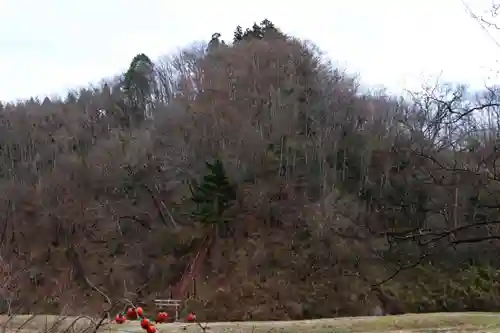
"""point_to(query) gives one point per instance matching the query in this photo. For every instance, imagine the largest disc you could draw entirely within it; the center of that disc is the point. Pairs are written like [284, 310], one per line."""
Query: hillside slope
[318, 200]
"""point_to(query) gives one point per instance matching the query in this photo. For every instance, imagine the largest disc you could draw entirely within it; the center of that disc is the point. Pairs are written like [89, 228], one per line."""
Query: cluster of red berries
[146, 324]
[138, 314]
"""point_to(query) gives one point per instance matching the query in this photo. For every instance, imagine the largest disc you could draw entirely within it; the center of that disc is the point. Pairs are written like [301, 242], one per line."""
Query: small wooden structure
[169, 303]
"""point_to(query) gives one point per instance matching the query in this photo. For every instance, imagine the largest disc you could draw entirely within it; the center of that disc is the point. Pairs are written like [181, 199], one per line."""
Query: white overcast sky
[49, 46]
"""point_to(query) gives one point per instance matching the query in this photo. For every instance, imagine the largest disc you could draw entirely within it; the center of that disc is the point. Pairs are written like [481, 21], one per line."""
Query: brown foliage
[337, 190]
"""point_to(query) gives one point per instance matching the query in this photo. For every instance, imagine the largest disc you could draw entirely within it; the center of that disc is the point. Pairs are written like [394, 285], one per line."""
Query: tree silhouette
[238, 34]
[266, 29]
[138, 87]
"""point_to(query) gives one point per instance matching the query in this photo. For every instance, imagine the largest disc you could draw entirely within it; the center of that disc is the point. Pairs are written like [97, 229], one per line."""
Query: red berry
[131, 314]
[140, 312]
[161, 317]
[191, 317]
[120, 319]
[145, 323]
[151, 329]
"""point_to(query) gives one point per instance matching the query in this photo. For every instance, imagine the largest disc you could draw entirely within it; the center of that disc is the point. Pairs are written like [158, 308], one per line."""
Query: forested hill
[303, 196]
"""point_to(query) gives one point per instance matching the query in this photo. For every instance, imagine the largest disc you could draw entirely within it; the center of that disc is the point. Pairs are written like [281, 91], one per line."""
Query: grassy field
[437, 322]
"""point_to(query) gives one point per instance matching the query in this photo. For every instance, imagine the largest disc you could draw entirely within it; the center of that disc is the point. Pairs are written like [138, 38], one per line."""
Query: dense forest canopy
[308, 197]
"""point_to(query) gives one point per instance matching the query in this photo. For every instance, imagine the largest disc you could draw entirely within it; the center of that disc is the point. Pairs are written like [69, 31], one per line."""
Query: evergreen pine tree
[266, 29]
[138, 85]
[213, 196]
[257, 31]
[238, 34]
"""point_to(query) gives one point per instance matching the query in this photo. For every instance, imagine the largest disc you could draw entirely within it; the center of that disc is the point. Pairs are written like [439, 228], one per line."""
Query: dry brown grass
[442, 322]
